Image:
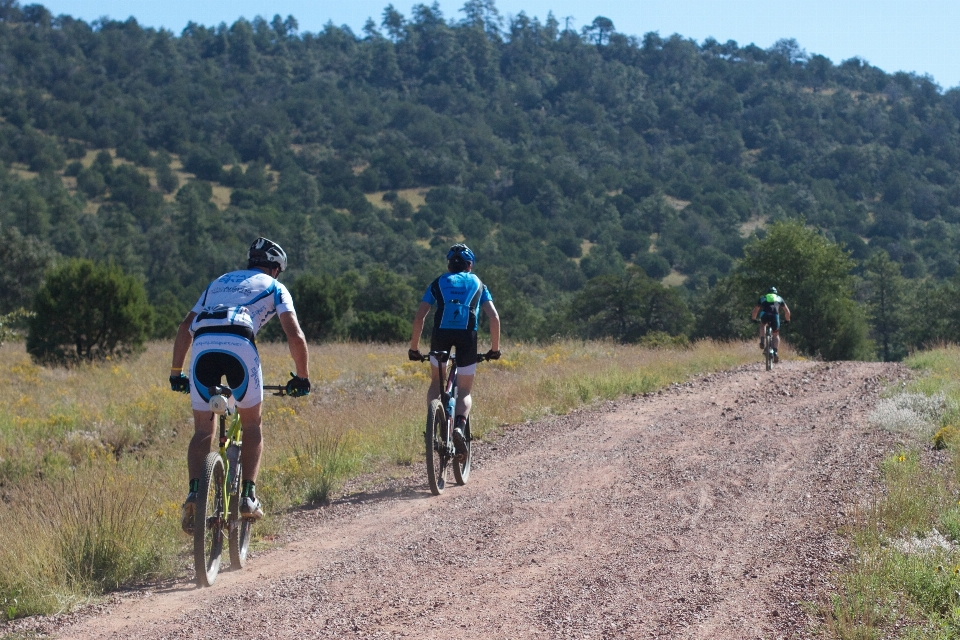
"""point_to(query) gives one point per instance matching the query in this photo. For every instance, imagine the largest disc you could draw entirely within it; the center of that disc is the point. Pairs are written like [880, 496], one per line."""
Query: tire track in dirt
[708, 510]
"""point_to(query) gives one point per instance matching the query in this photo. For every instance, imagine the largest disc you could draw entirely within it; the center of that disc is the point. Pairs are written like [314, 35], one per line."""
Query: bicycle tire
[436, 449]
[768, 350]
[208, 523]
[240, 530]
[461, 470]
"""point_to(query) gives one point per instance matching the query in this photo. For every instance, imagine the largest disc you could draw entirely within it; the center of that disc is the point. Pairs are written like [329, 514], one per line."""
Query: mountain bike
[438, 436]
[768, 346]
[218, 496]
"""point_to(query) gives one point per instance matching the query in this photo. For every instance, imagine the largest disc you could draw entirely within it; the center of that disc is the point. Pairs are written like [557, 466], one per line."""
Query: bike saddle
[441, 356]
[221, 400]
[220, 390]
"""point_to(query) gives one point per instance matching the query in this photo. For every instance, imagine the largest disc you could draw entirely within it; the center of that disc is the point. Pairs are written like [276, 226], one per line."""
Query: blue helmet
[461, 251]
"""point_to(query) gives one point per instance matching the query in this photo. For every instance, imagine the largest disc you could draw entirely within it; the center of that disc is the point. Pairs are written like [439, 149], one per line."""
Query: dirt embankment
[709, 510]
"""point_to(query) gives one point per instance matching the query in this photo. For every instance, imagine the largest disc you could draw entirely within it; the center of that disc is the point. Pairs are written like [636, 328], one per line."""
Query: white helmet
[266, 253]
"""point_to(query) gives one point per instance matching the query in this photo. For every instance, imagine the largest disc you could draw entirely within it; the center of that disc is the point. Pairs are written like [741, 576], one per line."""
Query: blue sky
[895, 35]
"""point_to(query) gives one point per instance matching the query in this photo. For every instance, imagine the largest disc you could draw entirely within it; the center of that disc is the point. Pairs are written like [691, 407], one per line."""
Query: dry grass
[417, 197]
[673, 279]
[92, 459]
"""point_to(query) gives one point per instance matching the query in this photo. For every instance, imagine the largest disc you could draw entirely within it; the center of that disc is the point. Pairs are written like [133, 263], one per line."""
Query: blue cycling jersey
[458, 296]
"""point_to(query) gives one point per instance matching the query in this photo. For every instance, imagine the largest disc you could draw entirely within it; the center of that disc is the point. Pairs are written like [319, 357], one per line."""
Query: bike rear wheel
[461, 468]
[434, 437]
[208, 523]
[768, 350]
[240, 531]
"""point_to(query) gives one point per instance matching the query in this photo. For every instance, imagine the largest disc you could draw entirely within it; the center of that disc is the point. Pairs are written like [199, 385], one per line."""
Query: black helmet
[772, 290]
[266, 253]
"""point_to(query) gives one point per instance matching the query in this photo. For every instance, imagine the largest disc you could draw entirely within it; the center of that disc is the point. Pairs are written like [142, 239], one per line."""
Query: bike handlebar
[424, 357]
[278, 389]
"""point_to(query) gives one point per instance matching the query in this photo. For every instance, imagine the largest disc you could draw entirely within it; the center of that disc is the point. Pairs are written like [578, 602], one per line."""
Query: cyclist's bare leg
[252, 441]
[203, 426]
[776, 339]
[464, 401]
[433, 393]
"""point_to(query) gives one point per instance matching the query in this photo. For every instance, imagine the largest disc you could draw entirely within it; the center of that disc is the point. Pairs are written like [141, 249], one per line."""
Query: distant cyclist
[458, 294]
[769, 309]
[222, 329]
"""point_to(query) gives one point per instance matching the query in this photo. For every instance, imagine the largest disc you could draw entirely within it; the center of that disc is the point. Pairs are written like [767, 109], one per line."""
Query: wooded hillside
[559, 156]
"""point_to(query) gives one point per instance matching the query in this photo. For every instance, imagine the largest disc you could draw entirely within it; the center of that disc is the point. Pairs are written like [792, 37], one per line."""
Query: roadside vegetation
[92, 458]
[904, 578]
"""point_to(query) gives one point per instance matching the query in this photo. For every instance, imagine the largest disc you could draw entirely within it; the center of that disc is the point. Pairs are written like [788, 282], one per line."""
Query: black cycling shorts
[772, 319]
[464, 340]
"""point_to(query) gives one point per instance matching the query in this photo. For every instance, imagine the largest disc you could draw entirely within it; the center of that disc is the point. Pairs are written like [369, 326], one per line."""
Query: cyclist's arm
[183, 341]
[753, 314]
[297, 343]
[418, 320]
[494, 318]
[786, 312]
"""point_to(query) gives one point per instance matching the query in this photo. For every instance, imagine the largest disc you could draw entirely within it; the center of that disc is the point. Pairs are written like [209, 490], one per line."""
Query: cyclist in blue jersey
[768, 308]
[459, 295]
[220, 331]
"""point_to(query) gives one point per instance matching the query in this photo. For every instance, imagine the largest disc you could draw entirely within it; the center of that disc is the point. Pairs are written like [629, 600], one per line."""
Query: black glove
[180, 383]
[414, 355]
[298, 386]
[491, 355]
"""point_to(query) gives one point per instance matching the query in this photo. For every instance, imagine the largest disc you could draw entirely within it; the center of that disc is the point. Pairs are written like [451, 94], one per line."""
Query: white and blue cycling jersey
[458, 296]
[240, 302]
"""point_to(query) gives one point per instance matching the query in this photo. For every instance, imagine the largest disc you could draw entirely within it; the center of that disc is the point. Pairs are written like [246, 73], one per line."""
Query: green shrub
[944, 437]
[663, 340]
[380, 326]
[628, 306]
[88, 311]
[321, 303]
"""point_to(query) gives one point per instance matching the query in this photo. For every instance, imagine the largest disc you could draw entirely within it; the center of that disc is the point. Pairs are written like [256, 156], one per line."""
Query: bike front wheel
[461, 467]
[435, 440]
[209, 522]
[768, 350]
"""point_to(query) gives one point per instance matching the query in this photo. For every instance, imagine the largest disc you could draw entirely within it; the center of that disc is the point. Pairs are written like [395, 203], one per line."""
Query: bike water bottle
[233, 463]
[451, 404]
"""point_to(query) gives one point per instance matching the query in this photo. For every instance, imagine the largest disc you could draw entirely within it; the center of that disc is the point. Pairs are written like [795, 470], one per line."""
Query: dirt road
[709, 510]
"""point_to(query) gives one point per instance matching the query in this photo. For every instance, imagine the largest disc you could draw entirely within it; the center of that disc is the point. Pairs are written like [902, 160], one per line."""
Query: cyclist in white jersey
[220, 331]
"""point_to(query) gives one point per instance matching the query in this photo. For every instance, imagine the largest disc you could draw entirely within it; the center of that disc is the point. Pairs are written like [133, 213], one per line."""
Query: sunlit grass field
[92, 459]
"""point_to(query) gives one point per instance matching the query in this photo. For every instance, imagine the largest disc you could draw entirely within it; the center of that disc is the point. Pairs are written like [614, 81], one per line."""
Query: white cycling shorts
[469, 370]
[216, 356]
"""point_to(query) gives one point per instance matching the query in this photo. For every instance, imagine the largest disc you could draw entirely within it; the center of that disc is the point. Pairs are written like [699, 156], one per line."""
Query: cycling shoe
[460, 442]
[250, 508]
[189, 509]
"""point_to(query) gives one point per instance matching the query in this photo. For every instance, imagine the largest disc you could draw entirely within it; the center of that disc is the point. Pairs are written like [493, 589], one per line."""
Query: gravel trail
[708, 510]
